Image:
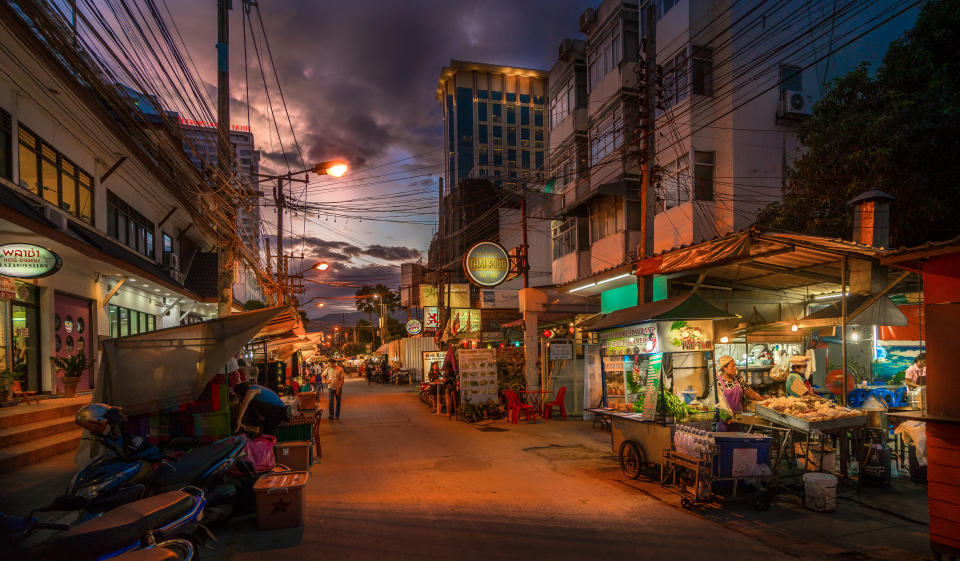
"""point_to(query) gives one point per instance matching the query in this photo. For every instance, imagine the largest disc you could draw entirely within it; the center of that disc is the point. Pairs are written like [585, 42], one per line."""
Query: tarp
[687, 307]
[153, 371]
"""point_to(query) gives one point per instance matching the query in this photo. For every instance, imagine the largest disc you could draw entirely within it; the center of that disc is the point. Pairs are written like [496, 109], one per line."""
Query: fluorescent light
[583, 287]
[724, 339]
[829, 296]
[618, 277]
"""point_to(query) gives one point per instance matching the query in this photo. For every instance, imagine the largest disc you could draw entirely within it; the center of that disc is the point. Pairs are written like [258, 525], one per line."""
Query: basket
[297, 428]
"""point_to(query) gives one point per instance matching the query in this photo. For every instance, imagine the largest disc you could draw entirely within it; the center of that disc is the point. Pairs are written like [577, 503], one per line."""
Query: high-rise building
[494, 122]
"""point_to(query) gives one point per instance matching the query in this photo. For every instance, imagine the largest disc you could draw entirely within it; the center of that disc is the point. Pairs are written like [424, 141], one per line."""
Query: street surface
[396, 482]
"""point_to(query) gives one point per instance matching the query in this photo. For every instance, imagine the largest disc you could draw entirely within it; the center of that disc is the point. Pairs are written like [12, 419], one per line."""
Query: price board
[478, 376]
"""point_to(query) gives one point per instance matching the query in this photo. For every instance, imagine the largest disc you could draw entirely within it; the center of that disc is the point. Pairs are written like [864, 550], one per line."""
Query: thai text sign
[685, 336]
[631, 340]
[27, 261]
[486, 264]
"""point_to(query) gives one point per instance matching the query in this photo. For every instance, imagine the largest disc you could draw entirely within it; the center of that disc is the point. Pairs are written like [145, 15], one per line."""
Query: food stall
[656, 362]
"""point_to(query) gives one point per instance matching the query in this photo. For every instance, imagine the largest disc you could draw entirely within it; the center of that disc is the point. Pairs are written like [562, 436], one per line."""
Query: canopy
[153, 371]
[687, 307]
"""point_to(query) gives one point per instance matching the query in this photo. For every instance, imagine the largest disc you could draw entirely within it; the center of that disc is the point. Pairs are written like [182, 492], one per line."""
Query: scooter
[170, 550]
[133, 526]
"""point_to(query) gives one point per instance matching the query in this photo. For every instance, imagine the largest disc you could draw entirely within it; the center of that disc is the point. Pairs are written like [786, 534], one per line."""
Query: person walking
[335, 376]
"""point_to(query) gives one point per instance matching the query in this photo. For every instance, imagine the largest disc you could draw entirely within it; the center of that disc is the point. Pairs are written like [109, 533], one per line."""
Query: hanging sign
[27, 261]
[685, 336]
[561, 351]
[486, 264]
[431, 319]
[631, 340]
[414, 327]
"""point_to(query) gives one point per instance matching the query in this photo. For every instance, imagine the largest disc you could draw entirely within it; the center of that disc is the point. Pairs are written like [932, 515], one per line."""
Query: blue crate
[727, 442]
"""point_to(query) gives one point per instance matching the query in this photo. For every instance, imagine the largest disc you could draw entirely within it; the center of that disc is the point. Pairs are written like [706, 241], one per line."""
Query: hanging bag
[260, 453]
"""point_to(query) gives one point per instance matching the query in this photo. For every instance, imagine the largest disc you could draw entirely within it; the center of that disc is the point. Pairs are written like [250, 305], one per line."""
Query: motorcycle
[170, 550]
[137, 525]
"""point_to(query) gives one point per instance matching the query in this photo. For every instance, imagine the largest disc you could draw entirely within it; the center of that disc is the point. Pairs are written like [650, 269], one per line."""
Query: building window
[47, 173]
[666, 5]
[511, 158]
[606, 218]
[482, 133]
[525, 137]
[538, 138]
[538, 160]
[702, 71]
[605, 57]
[538, 117]
[564, 234]
[525, 159]
[525, 116]
[606, 136]
[511, 136]
[167, 245]
[675, 183]
[481, 111]
[6, 146]
[703, 164]
[498, 135]
[124, 321]
[128, 226]
[511, 115]
[482, 156]
[563, 170]
[562, 104]
[791, 78]
[497, 113]
[675, 79]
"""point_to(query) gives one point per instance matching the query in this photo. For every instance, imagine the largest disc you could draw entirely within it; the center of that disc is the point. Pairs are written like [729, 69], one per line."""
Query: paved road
[396, 482]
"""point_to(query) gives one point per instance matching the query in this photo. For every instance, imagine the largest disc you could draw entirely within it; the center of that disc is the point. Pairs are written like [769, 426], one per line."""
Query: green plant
[7, 377]
[72, 366]
[672, 406]
[253, 305]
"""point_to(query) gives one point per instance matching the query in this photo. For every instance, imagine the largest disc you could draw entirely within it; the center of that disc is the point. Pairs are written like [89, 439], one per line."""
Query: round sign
[486, 264]
[27, 261]
[414, 327]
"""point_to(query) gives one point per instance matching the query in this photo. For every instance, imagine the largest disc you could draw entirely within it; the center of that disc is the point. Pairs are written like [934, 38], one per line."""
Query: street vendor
[733, 390]
[798, 382]
[260, 407]
[916, 375]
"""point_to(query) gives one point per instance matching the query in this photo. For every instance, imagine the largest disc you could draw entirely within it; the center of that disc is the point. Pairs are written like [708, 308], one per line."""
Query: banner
[685, 336]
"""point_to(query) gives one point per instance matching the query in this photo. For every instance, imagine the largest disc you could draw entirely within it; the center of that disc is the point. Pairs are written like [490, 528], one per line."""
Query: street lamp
[322, 266]
[321, 304]
[334, 168]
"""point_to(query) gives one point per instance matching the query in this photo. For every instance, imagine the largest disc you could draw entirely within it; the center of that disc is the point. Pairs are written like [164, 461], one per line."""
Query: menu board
[478, 376]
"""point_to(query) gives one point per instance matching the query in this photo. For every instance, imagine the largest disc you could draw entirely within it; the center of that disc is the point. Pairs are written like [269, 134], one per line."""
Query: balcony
[571, 267]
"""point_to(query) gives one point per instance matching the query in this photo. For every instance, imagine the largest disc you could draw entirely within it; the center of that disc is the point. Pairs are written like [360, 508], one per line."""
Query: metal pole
[523, 224]
[649, 151]
[225, 249]
[843, 324]
[281, 261]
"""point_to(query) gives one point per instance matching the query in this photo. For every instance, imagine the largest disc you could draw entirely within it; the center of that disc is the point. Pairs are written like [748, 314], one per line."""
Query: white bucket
[820, 491]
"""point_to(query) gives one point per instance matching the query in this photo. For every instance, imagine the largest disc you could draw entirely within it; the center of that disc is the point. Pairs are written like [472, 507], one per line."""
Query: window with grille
[564, 235]
[606, 218]
[606, 136]
[605, 57]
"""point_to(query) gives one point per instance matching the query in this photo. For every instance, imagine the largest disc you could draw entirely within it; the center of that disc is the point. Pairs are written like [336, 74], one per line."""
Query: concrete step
[33, 451]
[33, 431]
[46, 410]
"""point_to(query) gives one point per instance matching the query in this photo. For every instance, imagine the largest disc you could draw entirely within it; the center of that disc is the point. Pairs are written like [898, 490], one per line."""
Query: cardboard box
[297, 454]
[280, 499]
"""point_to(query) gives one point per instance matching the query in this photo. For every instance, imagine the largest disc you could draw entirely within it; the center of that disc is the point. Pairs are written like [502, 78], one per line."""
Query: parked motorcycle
[170, 550]
[133, 526]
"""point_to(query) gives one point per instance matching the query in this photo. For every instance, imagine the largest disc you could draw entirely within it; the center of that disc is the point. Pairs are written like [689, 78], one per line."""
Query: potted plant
[71, 368]
[7, 378]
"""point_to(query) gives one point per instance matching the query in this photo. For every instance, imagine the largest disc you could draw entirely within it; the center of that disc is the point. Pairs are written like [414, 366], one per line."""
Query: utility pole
[271, 298]
[648, 152]
[225, 250]
[279, 200]
[523, 224]
[441, 243]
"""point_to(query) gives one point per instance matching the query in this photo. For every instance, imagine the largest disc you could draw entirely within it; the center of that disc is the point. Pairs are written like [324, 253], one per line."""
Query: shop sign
[686, 336]
[428, 295]
[561, 351]
[486, 264]
[429, 357]
[631, 340]
[431, 317]
[458, 295]
[414, 327]
[27, 261]
[464, 320]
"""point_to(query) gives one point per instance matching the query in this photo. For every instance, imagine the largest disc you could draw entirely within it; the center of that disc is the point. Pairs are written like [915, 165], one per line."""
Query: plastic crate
[280, 499]
[208, 427]
[288, 432]
[739, 446]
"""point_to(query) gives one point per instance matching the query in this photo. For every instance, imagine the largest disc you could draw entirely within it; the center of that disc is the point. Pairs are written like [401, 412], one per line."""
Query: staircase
[35, 432]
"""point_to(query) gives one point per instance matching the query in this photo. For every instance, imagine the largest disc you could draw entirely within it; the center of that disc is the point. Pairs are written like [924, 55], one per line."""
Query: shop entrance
[71, 331]
[25, 340]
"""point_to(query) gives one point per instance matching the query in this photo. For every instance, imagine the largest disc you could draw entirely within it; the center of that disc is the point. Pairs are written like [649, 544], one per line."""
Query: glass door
[25, 345]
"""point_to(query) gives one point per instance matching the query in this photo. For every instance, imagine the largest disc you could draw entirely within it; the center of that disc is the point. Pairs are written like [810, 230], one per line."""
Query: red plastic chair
[549, 405]
[515, 407]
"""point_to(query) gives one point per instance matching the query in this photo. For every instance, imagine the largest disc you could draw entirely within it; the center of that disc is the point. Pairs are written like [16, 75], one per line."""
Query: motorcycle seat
[190, 466]
[118, 528]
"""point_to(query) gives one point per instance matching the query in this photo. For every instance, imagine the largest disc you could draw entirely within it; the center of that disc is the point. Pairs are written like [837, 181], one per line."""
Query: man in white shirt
[334, 374]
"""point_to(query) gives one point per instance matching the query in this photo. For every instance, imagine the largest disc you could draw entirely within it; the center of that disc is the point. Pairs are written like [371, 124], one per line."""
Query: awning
[153, 371]
[686, 307]
[881, 312]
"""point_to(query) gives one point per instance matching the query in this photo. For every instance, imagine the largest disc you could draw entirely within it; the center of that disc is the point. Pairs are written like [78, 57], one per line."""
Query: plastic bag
[260, 453]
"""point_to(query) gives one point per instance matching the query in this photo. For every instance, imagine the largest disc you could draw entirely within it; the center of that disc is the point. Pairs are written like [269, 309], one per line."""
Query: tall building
[494, 122]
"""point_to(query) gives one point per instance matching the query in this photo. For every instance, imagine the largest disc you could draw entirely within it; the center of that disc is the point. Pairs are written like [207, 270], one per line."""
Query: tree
[897, 131]
[365, 301]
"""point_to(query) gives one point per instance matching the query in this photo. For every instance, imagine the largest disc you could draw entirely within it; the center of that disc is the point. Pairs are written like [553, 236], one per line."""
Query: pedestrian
[450, 390]
[260, 407]
[335, 376]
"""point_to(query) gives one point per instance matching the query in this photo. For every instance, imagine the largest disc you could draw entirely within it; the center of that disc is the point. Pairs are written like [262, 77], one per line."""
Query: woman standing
[730, 386]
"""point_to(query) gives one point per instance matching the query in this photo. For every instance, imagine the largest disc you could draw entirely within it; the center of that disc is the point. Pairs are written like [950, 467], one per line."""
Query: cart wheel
[632, 459]
[686, 503]
[762, 500]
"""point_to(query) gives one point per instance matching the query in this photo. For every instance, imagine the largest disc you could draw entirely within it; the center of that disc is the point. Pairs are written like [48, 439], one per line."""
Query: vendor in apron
[797, 383]
[731, 389]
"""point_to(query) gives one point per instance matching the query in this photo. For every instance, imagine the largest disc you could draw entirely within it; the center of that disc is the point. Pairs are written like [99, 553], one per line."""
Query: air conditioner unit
[566, 49]
[587, 18]
[59, 219]
[171, 260]
[796, 104]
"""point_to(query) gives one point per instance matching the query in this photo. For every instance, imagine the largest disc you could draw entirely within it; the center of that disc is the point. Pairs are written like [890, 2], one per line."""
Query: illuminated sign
[211, 124]
[27, 261]
[486, 264]
[414, 327]
[431, 317]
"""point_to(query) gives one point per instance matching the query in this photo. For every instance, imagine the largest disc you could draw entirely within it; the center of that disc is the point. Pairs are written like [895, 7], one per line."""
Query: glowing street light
[321, 304]
[322, 266]
[333, 168]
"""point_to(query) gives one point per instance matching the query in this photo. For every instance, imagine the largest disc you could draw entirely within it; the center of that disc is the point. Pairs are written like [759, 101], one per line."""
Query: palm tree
[365, 301]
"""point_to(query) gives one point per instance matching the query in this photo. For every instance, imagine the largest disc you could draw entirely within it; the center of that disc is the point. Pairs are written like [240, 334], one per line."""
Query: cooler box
[738, 453]
[280, 499]
[296, 455]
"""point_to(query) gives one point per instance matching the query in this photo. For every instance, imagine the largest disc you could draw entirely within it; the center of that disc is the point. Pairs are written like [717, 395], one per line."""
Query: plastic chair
[549, 405]
[515, 407]
[22, 396]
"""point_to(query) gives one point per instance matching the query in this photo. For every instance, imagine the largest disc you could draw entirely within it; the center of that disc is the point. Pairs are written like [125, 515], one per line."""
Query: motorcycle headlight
[99, 486]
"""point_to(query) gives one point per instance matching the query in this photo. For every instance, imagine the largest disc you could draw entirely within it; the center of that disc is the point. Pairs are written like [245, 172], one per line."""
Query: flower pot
[70, 386]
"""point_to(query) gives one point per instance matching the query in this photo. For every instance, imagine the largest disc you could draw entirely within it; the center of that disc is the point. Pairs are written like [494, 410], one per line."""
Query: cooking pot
[877, 420]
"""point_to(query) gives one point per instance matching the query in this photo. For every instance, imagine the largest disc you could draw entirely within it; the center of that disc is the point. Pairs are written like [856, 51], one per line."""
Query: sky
[359, 79]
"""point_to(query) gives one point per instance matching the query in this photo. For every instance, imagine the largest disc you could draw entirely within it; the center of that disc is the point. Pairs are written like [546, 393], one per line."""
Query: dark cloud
[344, 251]
[393, 253]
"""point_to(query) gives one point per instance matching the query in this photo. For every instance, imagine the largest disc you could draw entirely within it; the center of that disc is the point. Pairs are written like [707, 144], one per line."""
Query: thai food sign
[686, 336]
[27, 261]
[486, 264]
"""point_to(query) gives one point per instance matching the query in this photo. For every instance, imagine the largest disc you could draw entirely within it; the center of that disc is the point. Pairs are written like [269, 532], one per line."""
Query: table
[535, 398]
